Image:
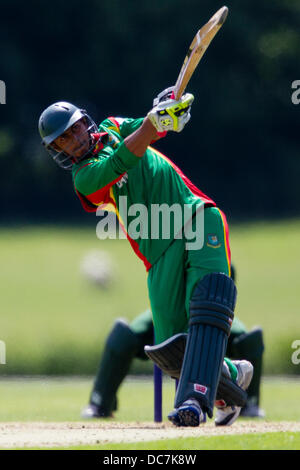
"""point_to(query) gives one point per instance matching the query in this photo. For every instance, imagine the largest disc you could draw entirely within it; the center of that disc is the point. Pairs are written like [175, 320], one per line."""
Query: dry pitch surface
[38, 434]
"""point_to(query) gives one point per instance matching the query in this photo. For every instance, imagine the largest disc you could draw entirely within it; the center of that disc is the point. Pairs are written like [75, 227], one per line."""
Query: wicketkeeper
[190, 289]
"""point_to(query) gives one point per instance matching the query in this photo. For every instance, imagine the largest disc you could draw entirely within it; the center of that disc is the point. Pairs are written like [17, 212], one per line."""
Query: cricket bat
[197, 48]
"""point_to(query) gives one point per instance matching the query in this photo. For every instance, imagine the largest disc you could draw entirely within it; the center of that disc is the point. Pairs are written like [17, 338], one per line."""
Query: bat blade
[197, 49]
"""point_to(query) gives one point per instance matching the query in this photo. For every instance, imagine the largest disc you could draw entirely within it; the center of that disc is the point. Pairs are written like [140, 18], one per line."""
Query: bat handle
[176, 95]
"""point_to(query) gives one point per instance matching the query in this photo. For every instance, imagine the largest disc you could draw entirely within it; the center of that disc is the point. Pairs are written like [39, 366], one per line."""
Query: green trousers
[172, 278]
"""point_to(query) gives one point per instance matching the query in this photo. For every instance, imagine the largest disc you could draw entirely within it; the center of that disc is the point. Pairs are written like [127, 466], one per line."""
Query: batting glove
[171, 115]
[167, 94]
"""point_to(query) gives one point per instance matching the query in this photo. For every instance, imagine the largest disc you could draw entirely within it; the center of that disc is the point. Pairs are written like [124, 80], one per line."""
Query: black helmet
[54, 121]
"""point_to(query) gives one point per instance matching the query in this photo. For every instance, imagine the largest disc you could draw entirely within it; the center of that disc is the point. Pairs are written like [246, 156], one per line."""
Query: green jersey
[115, 179]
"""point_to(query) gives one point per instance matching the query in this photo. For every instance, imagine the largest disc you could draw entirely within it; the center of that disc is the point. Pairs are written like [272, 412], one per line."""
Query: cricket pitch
[38, 434]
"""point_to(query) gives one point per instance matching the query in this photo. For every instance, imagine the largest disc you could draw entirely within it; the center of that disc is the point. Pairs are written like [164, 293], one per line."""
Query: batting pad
[168, 356]
[211, 314]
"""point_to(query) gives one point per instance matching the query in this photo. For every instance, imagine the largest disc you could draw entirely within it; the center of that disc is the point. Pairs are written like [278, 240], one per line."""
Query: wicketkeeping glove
[171, 115]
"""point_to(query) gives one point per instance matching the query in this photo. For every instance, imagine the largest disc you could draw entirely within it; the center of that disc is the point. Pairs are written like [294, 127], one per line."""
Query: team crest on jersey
[213, 241]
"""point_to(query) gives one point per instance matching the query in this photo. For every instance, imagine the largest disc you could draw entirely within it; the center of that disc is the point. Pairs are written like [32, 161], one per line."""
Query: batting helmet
[54, 121]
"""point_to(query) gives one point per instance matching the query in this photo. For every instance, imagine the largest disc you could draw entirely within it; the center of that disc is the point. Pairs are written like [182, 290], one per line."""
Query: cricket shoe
[94, 411]
[226, 415]
[188, 414]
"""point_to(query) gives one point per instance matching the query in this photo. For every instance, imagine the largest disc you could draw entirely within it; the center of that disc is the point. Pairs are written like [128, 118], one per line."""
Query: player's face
[75, 141]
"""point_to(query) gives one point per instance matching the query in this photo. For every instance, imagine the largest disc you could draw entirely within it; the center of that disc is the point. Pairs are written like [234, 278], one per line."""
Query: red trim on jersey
[207, 200]
[86, 204]
[227, 236]
[100, 195]
[135, 246]
[137, 251]
[114, 121]
[90, 202]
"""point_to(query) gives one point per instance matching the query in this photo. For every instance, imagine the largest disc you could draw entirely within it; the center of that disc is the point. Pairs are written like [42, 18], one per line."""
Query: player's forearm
[139, 140]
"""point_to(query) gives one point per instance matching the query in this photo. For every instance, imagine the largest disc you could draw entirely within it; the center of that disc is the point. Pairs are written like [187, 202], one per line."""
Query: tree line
[112, 58]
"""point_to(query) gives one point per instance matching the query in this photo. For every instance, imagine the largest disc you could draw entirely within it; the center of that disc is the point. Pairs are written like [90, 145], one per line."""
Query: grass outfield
[60, 400]
[260, 441]
[55, 322]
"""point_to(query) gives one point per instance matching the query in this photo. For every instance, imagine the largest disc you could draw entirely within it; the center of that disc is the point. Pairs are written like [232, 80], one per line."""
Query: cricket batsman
[190, 288]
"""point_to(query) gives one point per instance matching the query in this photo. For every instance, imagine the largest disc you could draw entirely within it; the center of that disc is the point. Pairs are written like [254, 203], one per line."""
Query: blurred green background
[55, 320]
[114, 57]
[241, 148]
